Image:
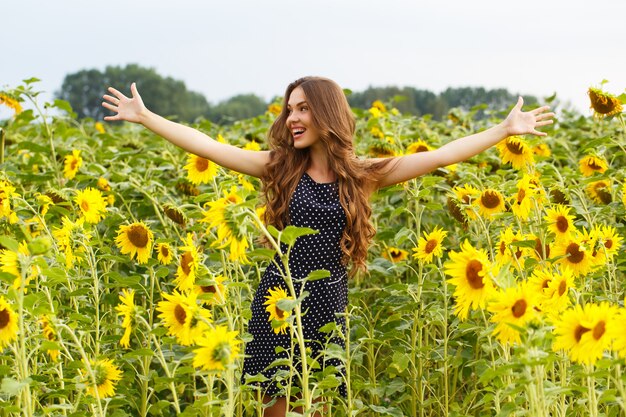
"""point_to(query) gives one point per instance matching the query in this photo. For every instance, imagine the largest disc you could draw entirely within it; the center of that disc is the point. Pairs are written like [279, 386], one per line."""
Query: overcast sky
[228, 47]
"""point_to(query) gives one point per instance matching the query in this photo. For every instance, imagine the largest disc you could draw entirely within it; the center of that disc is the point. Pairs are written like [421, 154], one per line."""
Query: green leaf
[286, 304]
[9, 243]
[65, 106]
[12, 387]
[317, 275]
[291, 233]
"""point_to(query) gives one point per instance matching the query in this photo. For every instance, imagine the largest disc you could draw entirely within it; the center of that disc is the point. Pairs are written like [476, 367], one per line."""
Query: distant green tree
[166, 96]
[242, 106]
[420, 102]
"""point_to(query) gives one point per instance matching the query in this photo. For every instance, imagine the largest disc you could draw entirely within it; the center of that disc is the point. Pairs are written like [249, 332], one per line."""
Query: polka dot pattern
[314, 205]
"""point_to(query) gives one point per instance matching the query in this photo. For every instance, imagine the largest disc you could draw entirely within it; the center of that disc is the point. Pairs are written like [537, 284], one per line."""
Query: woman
[312, 178]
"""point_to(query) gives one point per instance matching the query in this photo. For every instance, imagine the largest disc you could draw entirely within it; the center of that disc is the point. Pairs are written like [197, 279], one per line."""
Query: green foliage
[422, 102]
[164, 95]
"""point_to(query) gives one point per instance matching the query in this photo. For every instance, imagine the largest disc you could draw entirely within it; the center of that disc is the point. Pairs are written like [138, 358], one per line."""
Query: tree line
[171, 98]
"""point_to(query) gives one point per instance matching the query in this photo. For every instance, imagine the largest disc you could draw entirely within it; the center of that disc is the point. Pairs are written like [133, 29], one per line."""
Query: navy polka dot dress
[314, 205]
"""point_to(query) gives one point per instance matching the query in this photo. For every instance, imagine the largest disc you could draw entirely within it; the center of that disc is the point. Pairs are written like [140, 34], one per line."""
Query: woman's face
[300, 120]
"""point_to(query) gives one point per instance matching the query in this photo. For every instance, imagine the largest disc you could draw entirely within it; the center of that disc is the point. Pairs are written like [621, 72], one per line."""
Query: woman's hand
[522, 123]
[129, 109]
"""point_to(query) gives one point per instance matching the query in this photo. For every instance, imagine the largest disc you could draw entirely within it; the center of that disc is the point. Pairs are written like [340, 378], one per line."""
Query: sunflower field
[127, 269]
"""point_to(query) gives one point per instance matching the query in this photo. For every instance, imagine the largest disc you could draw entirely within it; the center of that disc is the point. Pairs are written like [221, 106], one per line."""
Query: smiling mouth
[297, 133]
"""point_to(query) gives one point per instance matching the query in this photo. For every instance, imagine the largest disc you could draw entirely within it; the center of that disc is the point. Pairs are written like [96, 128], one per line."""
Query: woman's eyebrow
[299, 104]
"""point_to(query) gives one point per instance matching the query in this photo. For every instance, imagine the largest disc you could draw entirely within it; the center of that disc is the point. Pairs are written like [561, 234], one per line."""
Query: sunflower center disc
[598, 330]
[185, 262]
[575, 254]
[490, 199]
[180, 314]
[562, 224]
[430, 246]
[471, 272]
[579, 332]
[4, 318]
[138, 236]
[515, 147]
[202, 164]
[519, 308]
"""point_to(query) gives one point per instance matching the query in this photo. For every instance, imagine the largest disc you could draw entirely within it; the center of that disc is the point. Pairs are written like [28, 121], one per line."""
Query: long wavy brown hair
[333, 118]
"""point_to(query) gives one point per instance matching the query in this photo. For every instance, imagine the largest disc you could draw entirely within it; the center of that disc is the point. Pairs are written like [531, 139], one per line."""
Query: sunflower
[188, 264]
[590, 164]
[560, 222]
[215, 291]
[252, 145]
[490, 202]
[200, 170]
[277, 317]
[275, 109]
[616, 332]
[505, 252]
[430, 245]
[183, 317]
[557, 292]
[608, 243]
[466, 195]
[585, 332]
[542, 249]
[515, 150]
[470, 270]
[11, 262]
[7, 193]
[514, 306]
[127, 309]
[418, 146]
[136, 240]
[71, 164]
[538, 283]
[243, 181]
[164, 253]
[575, 253]
[220, 215]
[381, 149]
[175, 214]
[92, 204]
[376, 132]
[67, 238]
[604, 104]
[11, 102]
[542, 150]
[395, 254]
[8, 323]
[106, 375]
[103, 184]
[600, 191]
[218, 348]
[522, 201]
[50, 334]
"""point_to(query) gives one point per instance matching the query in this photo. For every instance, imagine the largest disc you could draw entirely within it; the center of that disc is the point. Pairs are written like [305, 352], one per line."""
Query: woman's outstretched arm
[133, 110]
[516, 123]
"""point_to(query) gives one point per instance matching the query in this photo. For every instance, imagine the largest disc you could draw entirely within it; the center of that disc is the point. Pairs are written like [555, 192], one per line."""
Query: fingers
[111, 99]
[133, 90]
[111, 118]
[540, 110]
[110, 106]
[520, 103]
[544, 123]
[538, 133]
[545, 116]
[116, 93]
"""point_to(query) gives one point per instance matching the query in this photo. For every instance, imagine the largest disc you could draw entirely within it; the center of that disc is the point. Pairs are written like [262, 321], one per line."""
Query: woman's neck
[319, 168]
